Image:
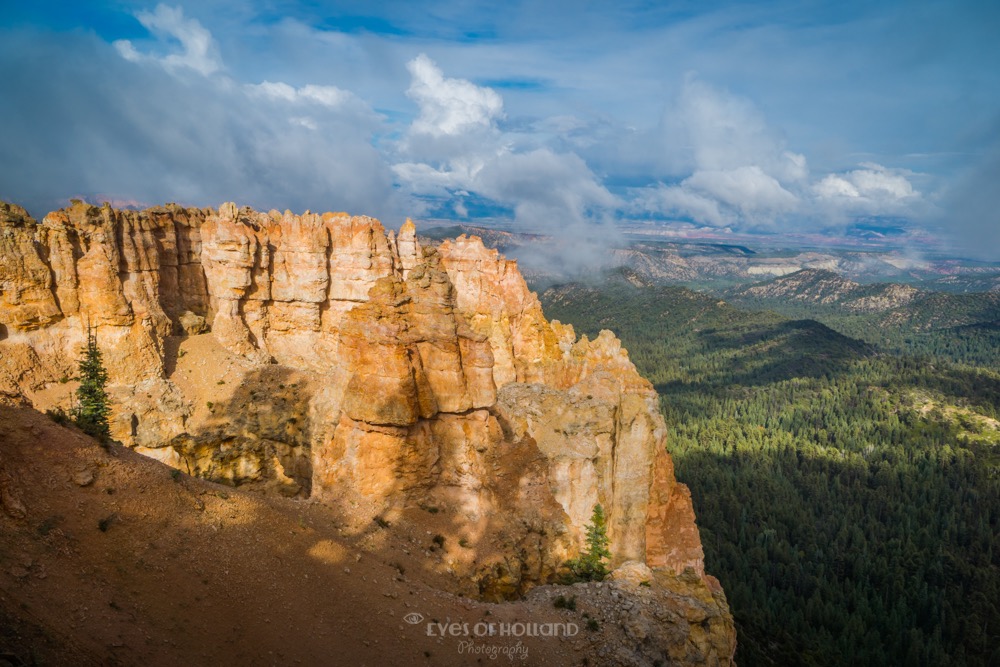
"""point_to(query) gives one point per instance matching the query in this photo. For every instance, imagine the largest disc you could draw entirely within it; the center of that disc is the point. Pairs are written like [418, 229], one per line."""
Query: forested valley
[961, 328]
[848, 494]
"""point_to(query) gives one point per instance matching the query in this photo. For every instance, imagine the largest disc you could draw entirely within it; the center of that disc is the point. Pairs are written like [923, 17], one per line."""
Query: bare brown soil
[112, 558]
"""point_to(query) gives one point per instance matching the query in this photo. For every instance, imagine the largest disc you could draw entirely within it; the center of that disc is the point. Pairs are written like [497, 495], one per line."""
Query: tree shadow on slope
[786, 350]
[723, 364]
[261, 437]
[476, 518]
[702, 338]
[260, 434]
[171, 350]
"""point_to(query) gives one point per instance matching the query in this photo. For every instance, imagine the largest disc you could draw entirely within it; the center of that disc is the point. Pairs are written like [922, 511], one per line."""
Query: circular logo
[413, 618]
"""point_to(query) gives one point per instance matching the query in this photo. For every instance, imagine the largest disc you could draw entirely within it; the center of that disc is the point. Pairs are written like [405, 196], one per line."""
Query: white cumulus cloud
[738, 168]
[454, 145]
[675, 200]
[732, 168]
[722, 197]
[449, 106]
[198, 50]
[748, 189]
[325, 99]
[708, 128]
[544, 187]
[871, 190]
[199, 140]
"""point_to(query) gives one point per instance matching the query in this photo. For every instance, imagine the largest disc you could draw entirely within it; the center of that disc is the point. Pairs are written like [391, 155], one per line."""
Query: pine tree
[591, 565]
[597, 543]
[92, 410]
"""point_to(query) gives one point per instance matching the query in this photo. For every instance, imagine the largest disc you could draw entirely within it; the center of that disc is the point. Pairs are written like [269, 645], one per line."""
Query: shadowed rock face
[352, 364]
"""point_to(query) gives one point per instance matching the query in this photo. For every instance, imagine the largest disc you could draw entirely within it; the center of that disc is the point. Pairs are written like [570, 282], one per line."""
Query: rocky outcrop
[808, 285]
[826, 287]
[354, 365]
[662, 617]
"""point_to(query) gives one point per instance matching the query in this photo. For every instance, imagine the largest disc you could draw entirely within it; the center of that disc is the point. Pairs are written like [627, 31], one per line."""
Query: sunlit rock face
[327, 357]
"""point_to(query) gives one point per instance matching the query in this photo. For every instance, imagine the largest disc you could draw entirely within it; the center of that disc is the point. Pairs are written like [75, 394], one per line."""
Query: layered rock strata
[352, 364]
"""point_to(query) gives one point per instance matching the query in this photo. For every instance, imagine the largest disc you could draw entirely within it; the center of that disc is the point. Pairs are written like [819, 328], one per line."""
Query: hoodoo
[325, 357]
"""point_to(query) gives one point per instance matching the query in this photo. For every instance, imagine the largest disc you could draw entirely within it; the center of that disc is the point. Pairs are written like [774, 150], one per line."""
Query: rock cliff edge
[326, 357]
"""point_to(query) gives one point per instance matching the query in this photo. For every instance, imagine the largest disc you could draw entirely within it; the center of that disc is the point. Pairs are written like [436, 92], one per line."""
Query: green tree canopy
[591, 565]
[92, 410]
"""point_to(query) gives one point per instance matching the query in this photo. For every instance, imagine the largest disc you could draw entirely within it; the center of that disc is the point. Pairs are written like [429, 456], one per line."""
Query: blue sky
[781, 116]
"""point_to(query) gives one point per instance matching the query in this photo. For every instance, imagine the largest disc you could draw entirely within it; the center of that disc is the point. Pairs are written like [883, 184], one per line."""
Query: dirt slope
[111, 558]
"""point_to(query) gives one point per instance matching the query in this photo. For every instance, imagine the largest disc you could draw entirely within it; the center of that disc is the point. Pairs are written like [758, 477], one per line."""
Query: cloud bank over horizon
[392, 115]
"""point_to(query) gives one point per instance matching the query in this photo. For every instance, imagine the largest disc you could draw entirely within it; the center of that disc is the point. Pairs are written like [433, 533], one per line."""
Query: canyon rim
[327, 360]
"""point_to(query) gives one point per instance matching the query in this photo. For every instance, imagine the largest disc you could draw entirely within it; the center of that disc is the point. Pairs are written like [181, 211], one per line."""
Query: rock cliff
[327, 357]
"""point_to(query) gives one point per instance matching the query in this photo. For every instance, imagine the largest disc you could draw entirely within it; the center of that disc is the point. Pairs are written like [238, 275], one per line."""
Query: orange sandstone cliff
[326, 357]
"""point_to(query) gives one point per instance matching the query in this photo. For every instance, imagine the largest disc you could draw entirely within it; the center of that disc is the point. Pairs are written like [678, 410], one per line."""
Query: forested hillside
[961, 328]
[849, 499]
